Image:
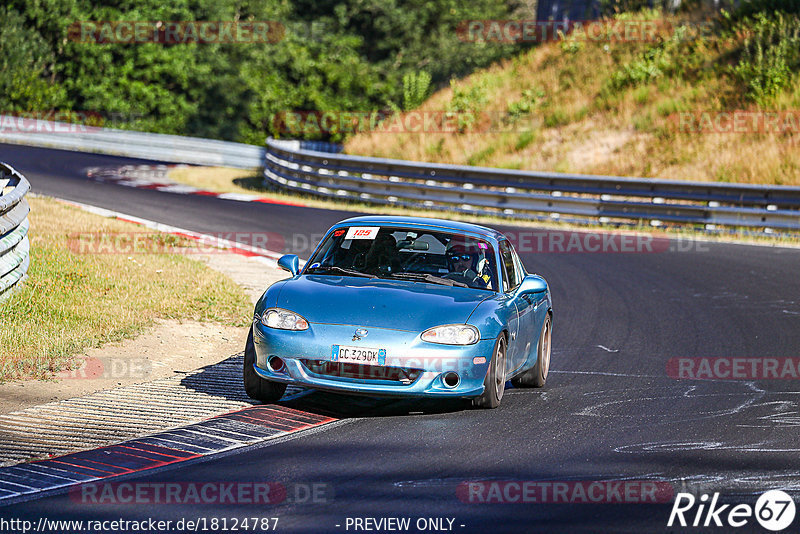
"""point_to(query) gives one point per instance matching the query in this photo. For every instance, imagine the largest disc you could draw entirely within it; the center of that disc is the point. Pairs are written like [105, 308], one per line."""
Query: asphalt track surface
[609, 411]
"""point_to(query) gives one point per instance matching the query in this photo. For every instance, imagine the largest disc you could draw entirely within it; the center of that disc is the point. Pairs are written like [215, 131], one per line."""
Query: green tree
[25, 63]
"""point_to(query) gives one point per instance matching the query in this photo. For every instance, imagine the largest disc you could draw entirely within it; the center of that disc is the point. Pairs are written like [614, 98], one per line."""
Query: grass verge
[76, 300]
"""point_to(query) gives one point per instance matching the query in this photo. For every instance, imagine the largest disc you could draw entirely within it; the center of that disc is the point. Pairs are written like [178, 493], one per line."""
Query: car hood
[377, 303]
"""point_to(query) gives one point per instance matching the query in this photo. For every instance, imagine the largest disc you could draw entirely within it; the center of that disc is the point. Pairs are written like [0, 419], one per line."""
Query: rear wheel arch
[536, 376]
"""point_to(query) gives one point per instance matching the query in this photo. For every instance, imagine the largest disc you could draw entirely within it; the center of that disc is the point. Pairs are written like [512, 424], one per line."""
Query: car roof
[456, 226]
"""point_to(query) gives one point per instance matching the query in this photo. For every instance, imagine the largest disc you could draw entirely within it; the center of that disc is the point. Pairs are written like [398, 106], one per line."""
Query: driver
[468, 260]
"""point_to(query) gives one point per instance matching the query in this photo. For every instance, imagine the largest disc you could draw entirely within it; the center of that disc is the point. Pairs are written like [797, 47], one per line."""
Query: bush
[24, 56]
[415, 89]
[525, 105]
[481, 156]
[770, 56]
[558, 117]
[468, 102]
[470, 99]
[751, 8]
[654, 63]
[525, 139]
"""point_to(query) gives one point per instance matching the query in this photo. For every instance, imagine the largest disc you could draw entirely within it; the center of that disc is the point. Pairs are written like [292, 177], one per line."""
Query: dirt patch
[600, 148]
[167, 348]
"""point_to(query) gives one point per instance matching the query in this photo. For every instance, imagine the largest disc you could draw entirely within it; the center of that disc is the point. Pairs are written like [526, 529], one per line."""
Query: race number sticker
[362, 232]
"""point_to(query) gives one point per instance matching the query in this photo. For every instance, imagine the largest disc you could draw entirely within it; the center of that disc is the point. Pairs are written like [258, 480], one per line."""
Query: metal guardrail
[313, 169]
[14, 245]
[160, 147]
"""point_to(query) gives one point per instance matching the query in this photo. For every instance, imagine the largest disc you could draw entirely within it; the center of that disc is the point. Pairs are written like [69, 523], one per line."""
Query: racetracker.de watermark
[583, 242]
[109, 368]
[129, 243]
[733, 368]
[55, 121]
[51, 122]
[737, 122]
[298, 123]
[565, 492]
[397, 368]
[524, 241]
[176, 32]
[514, 31]
[201, 492]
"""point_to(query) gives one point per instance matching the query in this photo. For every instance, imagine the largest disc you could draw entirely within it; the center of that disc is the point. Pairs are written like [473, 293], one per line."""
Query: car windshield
[407, 254]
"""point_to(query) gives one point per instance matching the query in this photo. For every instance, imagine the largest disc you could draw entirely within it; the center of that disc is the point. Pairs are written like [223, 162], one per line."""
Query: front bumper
[422, 364]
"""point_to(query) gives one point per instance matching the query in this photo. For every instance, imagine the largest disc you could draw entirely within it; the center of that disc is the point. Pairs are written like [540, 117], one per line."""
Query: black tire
[536, 376]
[256, 387]
[494, 384]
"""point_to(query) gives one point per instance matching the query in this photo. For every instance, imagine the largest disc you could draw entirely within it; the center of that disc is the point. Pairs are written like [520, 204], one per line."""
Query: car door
[509, 312]
[524, 304]
[539, 312]
[518, 342]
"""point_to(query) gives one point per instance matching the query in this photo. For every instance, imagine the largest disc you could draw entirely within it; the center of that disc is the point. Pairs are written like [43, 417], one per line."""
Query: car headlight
[283, 319]
[452, 334]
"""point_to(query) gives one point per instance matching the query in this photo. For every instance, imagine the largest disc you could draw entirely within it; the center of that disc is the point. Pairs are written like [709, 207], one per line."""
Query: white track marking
[603, 373]
[607, 349]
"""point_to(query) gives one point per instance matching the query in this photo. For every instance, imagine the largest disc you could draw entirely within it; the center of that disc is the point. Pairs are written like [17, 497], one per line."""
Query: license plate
[360, 355]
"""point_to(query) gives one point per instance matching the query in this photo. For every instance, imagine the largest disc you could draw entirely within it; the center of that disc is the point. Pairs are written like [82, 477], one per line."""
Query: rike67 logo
[774, 510]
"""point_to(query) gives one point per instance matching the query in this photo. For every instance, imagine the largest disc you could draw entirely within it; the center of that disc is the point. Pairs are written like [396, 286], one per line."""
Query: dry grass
[575, 126]
[76, 300]
[217, 179]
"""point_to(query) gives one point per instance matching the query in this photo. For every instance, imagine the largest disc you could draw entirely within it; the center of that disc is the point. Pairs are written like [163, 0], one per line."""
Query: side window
[521, 272]
[512, 278]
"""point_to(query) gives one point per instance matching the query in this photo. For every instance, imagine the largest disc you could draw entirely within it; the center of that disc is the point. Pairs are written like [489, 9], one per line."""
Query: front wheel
[536, 376]
[256, 387]
[494, 385]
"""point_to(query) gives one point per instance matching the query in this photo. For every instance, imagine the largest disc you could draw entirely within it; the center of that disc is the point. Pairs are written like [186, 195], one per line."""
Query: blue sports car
[402, 306]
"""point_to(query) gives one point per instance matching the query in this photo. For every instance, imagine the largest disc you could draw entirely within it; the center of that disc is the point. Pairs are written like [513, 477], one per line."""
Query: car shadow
[343, 406]
[221, 380]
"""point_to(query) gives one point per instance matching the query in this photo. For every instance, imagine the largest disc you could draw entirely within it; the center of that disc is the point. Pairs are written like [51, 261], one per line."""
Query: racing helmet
[461, 248]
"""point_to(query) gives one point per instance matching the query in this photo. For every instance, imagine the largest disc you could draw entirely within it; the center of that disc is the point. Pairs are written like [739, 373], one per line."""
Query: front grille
[398, 375]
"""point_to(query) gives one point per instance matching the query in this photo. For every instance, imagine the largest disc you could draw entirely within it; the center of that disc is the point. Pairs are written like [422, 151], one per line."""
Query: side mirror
[290, 262]
[532, 283]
